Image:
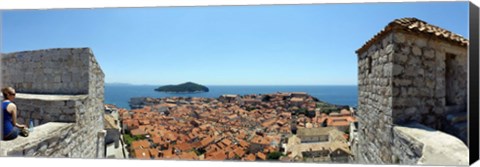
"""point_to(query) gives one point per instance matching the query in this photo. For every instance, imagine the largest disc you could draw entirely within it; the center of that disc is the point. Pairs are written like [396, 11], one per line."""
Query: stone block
[389, 48]
[399, 38]
[397, 69]
[421, 42]
[416, 51]
[429, 53]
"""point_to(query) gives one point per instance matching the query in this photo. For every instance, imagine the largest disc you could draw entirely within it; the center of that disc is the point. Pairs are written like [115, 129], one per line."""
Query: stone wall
[42, 109]
[405, 77]
[420, 82]
[73, 92]
[375, 102]
[53, 140]
[415, 144]
[50, 71]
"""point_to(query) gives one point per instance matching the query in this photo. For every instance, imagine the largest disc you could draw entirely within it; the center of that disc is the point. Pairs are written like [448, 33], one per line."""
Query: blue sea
[119, 95]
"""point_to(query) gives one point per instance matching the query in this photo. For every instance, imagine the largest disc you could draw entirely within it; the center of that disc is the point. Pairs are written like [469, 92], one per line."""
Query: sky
[222, 45]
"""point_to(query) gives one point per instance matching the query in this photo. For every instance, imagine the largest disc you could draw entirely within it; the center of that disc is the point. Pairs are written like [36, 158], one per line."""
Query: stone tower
[410, 72]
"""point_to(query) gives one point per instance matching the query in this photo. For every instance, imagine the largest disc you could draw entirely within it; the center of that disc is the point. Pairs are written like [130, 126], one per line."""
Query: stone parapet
[42, 109]
[49, 71]
[57, 86]
[417, 144]
[44, 140]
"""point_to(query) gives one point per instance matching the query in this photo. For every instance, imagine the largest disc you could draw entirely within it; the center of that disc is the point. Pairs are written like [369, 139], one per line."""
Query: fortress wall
[50, 71]
[375, 102]
[403, 79]
[70, 90]
[420, 82]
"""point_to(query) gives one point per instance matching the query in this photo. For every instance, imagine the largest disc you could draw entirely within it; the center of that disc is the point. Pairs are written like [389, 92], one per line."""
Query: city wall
[62, 92]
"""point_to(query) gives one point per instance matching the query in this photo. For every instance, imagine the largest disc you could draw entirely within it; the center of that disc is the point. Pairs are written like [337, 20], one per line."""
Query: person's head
[8, 93]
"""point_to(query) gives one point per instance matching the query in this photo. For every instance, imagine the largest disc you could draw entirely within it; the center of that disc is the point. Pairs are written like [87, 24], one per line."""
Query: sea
[119, 95]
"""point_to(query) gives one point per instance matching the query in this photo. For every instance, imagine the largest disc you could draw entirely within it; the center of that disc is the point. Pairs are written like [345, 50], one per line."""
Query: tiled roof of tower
[417, 26]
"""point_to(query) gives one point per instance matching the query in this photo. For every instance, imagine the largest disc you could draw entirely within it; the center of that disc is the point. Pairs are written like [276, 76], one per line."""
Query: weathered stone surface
[397, 69]
[430, 147]
[416, 51]
[399, 38]
[429, 53]
[421, 42]
[418, 89]
[55, 96]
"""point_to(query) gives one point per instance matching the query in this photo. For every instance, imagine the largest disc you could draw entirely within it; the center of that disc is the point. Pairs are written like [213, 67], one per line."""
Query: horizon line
[132, 84]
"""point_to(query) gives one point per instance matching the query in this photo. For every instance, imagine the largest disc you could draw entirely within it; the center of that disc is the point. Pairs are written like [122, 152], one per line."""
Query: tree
[274, 155]
[128, 139]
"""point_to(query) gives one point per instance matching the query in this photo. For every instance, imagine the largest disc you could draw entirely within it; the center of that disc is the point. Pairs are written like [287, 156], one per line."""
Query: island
[188, 87]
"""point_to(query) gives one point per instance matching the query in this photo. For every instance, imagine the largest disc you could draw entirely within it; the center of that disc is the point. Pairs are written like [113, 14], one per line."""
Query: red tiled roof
[142, 154]
[268, 123]
[183, 146]
[227, 142]
[167, 153]
[239, 151]
[138, 131]
[261, 155]
[250, 157]
[140, 144]
[296, 99]
[219, 155]
[206, 141]
[243, 143]
[417, 26]
[188, 156]
[339, 121]
[260, 140]
[153, 153]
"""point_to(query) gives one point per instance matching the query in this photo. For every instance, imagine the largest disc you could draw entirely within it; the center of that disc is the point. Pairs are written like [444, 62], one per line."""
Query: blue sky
[229, 45]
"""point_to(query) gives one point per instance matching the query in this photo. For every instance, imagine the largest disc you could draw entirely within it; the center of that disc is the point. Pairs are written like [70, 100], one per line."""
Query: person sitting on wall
[10, 126]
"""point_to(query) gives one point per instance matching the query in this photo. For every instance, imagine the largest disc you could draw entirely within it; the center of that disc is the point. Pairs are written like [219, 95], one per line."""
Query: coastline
[334, 94]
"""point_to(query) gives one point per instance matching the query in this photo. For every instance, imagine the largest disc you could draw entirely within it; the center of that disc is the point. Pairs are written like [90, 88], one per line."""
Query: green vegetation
[199, 151]
[302, 111]
[274, 155]
[129, 139]
[185, 87]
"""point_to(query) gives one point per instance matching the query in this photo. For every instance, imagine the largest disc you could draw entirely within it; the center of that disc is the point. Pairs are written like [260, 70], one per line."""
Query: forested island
[188, 87]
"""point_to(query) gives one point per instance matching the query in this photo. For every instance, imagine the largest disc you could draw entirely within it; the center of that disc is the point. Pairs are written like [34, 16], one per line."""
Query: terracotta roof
[296, 99]
[239, 151]
[142, 154]
[269, 123]
[261, 156]
[417, 26]
[260, 140]
[219, 155]
[250, 157]
[206, 141]
[188, 156]
[243, 143]
[183, 146]
[153, 153]
[140, 144]
[338, 121]
[227, 142]
[168, 153]
[136, 132]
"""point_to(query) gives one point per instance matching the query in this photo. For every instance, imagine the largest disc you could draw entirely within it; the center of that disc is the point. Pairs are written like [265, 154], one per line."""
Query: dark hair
[7, 91]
